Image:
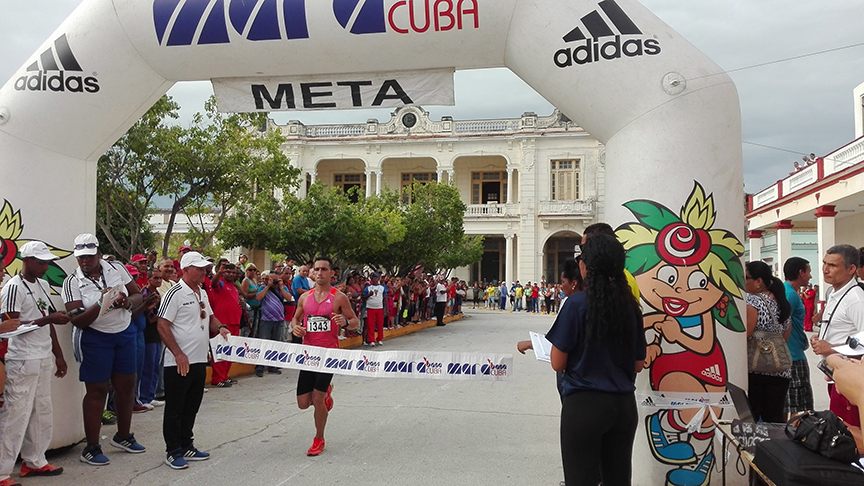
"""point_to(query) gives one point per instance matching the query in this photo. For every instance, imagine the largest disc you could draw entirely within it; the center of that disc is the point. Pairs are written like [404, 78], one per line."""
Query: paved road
[384, 431]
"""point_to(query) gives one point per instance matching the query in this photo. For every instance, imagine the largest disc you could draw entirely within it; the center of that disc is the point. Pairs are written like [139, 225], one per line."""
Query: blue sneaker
[193, 454]
[175, 460]
[93, 455]
[701, 476]
[129, 444]
[665, 451]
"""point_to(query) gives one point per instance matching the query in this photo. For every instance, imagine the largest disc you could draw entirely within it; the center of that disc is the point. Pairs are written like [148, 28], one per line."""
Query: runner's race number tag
[317, 324]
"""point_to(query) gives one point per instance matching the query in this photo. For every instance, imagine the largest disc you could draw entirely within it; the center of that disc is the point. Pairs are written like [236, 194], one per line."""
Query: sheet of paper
[108, 298]
[848, 350]
[22, 329]
[542, 347]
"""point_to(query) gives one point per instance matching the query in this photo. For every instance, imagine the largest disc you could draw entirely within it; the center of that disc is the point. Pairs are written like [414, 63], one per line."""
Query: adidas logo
[648, 402]
[49, 72]
[713, 373]
[724, 400]
[597, 25]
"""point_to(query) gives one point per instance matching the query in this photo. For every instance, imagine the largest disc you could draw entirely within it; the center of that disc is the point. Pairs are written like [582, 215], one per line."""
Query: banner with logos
[360, 362]
[335, 92]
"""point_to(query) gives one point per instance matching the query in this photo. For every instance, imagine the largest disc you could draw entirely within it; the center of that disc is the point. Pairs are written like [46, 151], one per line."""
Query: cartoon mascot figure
[688, 275]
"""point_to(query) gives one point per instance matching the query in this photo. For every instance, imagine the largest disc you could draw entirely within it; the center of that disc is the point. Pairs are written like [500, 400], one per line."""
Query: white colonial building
[531, 184]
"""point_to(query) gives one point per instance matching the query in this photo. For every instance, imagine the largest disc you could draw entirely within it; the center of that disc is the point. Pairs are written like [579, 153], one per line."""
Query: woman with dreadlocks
[599, 345]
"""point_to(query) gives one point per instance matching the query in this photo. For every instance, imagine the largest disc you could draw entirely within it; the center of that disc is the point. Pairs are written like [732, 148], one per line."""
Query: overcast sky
[801, 106]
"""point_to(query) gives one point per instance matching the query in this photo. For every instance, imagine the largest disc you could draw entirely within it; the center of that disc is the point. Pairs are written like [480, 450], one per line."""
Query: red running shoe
[9, 482]
[317, 447]
[328, 400]
[46, 470]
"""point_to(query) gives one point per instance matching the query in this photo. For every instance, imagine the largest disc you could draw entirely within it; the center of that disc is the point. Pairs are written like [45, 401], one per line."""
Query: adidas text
[592, 51]
[59, 82]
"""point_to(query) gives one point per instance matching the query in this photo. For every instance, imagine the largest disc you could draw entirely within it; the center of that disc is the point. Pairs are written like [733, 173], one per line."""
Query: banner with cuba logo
[380, 364]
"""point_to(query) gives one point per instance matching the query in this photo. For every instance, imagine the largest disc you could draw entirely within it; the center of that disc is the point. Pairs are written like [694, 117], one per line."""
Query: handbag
[825, 433]
[767, 352]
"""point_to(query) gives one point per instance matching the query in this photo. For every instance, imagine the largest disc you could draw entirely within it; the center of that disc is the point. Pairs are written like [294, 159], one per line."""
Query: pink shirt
[321, 330]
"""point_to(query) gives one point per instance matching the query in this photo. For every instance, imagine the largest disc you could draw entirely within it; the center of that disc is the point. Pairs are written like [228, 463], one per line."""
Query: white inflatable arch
[666, 116]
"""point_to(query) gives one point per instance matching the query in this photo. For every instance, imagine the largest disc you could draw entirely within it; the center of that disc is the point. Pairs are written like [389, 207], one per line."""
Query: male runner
[320, 313]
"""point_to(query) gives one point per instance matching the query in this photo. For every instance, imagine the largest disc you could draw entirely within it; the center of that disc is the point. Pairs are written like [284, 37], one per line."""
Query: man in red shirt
[141, 264]
[321, 312]
[225, 301]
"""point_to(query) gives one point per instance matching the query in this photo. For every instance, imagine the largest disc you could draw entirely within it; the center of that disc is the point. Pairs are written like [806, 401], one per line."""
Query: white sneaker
[157, 403]
[372, 345]
[380, 343]
[148, 406]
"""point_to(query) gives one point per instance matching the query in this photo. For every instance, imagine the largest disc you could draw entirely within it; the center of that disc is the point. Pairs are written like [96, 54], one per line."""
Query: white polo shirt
[182, 306]
[32, 301]
[78, 286]
[847, 318]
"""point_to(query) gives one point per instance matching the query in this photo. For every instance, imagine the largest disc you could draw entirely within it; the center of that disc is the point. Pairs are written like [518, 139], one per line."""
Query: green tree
[325, 222]
[434, 233]
[377, 231]
[222, 164]
[134, 171]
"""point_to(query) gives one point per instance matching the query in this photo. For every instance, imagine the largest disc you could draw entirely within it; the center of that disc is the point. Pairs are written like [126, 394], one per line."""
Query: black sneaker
[224, 384]
[275, 371]
[259, 373]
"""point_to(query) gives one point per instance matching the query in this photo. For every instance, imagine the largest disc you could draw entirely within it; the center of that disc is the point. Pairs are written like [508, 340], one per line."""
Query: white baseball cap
[38, 250]
[86, 244]
[194, 259]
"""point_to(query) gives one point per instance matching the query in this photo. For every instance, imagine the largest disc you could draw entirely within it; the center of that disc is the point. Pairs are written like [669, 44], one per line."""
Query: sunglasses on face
[89, 246]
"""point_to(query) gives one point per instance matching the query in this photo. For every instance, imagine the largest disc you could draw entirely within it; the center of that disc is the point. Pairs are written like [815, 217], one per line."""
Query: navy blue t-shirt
[596, 368]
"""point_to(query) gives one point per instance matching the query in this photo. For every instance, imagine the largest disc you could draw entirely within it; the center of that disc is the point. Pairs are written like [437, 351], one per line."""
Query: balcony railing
[566, 208]
[844, 157]
[486, 211]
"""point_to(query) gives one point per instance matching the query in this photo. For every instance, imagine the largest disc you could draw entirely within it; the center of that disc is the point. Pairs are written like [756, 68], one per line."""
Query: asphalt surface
[380, 432]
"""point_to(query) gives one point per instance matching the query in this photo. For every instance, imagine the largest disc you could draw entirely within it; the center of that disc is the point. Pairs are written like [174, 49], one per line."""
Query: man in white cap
[185, 323]
[105, 343]
[26, 419]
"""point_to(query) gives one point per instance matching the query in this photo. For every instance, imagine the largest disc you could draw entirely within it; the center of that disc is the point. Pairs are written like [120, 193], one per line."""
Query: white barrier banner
[335, 92]
[374, 364]
[681, 400]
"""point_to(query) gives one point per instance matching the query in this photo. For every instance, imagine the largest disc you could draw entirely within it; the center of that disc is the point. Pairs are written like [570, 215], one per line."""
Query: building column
[508, 260]
[755, 237]
[784, 243]
[509, 186]
[378, 177]
[368, 183]
[440, 173]
[301, 191]
[451, 176]
[825, 239]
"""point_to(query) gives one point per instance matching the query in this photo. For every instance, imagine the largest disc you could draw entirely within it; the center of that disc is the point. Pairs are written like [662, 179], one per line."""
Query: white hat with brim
[38, 250]
[194, 259]
[86, 244]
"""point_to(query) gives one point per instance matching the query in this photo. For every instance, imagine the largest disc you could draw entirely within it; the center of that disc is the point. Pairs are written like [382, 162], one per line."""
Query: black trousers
[767, 396]
[183, 396]
[439, 312]
[597, 434]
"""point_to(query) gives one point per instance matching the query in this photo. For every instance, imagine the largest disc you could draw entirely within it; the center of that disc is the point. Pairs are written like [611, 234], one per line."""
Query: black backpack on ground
[789, 463]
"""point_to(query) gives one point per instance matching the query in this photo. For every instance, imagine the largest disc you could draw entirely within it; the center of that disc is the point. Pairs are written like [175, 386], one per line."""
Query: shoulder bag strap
[824, 330]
